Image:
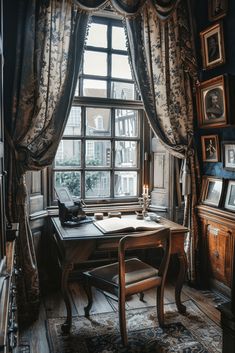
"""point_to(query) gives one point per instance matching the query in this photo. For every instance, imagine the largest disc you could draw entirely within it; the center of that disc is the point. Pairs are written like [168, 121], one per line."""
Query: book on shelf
[120, 225]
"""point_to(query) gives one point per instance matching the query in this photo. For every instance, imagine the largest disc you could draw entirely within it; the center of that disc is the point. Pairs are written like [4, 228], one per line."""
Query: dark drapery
[50, 40]
[163, 8]
[164, 67]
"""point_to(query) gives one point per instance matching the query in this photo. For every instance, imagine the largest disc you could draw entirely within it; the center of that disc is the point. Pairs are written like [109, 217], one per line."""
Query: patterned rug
[190, 333]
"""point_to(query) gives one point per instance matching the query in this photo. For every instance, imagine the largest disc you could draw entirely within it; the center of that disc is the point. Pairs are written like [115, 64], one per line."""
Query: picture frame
[229, 203]
[212, 46]
[212, 189]
[212, 102]
[210, 148]
[228, 151]
[217, 9]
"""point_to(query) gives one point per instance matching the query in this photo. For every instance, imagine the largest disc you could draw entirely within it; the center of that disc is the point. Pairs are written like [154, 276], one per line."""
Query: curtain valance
[164, 8]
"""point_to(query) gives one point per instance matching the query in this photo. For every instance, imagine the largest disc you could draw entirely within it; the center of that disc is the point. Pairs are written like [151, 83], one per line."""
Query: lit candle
[145, 190]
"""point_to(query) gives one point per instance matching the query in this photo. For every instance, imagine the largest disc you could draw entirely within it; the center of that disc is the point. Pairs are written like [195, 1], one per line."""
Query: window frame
[112, 104]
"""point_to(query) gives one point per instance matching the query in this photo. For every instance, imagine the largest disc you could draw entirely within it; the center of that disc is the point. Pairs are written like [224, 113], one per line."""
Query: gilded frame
[210, 148]
[212, 102]
[212, 46]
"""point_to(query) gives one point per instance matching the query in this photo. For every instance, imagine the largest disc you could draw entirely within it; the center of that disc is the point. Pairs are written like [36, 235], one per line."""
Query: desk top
[87, 231]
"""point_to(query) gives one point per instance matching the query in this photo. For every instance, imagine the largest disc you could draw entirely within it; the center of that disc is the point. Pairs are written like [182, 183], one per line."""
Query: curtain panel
[163, 64]
[50, 44]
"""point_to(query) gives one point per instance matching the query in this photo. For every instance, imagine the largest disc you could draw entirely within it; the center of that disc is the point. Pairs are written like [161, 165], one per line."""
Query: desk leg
[180, 280]
[64, 288]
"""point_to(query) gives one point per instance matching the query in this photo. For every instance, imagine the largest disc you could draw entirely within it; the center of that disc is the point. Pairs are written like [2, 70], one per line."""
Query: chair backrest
[143, 240]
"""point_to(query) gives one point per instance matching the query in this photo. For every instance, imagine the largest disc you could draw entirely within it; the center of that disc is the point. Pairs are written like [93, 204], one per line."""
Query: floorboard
[53, 306]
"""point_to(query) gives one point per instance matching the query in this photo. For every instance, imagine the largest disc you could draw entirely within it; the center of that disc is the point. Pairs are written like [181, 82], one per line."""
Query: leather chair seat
[136, 271]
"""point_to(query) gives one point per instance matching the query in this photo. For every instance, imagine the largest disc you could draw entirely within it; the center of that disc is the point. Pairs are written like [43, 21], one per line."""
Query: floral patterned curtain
[50, 42]
[164, 67]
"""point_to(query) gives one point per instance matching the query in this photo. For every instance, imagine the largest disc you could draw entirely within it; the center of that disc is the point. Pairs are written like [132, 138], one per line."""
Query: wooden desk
[77, 244]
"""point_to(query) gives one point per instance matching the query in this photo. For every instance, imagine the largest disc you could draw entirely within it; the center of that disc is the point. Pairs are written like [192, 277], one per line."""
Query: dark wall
[224, 133]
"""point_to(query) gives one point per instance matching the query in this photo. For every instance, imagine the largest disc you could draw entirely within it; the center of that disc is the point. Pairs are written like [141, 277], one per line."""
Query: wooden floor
[53, 306]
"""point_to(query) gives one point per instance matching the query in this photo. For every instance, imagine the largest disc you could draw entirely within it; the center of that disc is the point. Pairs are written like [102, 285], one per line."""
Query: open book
[120, 225]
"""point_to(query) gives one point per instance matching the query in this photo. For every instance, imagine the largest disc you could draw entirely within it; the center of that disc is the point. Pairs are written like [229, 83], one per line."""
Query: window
[100, 154]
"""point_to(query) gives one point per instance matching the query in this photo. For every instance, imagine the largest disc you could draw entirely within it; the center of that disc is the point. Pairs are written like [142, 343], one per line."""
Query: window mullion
[83, 151]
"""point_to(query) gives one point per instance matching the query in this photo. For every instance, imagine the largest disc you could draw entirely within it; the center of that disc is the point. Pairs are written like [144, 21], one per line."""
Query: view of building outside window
[98, 156]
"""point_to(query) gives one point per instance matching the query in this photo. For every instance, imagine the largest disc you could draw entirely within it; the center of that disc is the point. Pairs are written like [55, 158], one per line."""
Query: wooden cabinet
[217, 246]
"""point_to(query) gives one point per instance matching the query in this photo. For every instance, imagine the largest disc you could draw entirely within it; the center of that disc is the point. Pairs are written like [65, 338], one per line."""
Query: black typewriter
[71, 213]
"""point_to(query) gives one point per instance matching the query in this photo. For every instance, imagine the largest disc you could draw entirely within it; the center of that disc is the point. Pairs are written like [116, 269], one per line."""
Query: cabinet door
[219, 249]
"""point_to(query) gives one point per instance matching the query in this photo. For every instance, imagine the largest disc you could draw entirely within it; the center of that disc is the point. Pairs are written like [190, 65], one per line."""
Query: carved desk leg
[64, 288]
[180, 280]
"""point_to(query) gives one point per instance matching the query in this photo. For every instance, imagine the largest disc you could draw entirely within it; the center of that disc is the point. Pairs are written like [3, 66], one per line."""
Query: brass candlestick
[144, 203]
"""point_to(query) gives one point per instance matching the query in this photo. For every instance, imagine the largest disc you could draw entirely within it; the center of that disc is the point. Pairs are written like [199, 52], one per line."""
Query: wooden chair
[127, 277]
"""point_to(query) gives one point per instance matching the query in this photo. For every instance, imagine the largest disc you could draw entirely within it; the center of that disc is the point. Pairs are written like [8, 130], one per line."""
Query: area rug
[190, 333]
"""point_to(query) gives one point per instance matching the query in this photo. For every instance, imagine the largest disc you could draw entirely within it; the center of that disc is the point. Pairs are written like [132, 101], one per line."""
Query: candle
[145, 190]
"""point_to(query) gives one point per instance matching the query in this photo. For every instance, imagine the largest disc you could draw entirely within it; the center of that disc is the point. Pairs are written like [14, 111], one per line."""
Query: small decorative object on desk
[98, 215]
[144, 203]
[114, 214]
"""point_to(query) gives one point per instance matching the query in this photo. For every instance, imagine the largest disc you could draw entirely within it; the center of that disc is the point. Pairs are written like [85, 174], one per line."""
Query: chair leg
[88, 291]
[141, 296]
[160, 305]
[122, 320]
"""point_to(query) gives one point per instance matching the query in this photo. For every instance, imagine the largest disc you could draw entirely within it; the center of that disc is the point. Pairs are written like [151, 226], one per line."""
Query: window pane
[126, 154]
[97, 35]
[122, 90]
[94, 88]
[71, 180]
[76, 93]
[73, 126]
[98, 122]
[121, 67]
[97, 184]
[98, 153]
[126, 123]
[68, 154]
[118, 38]
[95, 63]
[125, 184]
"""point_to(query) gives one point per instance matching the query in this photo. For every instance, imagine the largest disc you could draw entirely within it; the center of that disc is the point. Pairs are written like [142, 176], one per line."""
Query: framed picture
[230, 196]
[212, 191]
[228, 148]
[217, 9]
[210, 148]
[212, 96]
[212, 46]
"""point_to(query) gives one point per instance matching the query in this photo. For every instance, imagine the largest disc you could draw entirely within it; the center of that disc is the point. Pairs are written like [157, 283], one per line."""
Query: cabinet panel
[217, 238]
[218, 245]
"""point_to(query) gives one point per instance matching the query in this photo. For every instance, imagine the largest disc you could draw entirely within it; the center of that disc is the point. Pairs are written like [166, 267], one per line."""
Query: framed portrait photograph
[212, 98]
[212, 191]
[212, 46]
[217, 9]
[228, 150]
[230, 196]
[210, 148]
